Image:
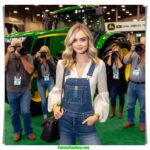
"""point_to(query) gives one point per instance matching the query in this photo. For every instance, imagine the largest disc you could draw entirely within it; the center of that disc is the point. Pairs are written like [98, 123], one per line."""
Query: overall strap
[91, 70]
[67, 72]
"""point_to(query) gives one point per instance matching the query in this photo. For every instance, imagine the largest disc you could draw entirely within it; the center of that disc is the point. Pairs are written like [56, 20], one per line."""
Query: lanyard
[138, 63]
[17, 65]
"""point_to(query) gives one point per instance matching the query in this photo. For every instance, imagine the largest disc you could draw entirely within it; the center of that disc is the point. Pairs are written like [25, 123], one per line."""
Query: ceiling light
[46, 10]
[127, 12]
[60, 5]
[119, 16]
[76, 11]
[112, 9]
[109, 18]
[15, 11]
[123, 9]
[130, 14]
[104, 7]
[26, 8]
[37, 15]
[108, 13]
[122, 6]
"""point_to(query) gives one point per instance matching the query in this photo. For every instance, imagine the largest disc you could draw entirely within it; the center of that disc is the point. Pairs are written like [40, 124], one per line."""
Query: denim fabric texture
[77, 105]
[136, 92]
[20, 103]
[116, 91]
[42, 87]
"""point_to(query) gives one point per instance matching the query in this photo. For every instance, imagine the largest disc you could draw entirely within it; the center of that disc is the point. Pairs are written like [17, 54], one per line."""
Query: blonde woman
[46, 71]
[83, 72]
[116, 79]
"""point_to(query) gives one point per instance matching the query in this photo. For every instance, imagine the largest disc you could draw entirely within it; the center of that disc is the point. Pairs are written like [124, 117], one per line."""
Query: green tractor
[64, 18]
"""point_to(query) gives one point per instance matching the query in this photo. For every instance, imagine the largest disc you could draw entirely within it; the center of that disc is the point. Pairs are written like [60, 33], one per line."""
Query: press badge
[46, 77]
[115, 74]
[136, 71]
[17, 81]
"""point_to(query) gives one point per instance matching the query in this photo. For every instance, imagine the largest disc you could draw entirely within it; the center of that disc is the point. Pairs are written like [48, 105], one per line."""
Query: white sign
[125, 26]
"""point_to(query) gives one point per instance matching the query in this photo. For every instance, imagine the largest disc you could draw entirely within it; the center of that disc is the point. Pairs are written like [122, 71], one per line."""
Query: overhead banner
[125, 26]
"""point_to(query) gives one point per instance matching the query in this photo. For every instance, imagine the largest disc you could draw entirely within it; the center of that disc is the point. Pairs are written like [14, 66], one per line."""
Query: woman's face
[80, 43]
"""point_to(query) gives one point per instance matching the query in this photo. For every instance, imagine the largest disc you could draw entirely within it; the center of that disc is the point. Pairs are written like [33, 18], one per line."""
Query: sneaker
[31, 136]
[17, 137]
[128, 125]
[142, 127]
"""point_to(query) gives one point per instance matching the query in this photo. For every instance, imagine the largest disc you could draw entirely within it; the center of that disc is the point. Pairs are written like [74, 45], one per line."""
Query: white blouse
[100, 102]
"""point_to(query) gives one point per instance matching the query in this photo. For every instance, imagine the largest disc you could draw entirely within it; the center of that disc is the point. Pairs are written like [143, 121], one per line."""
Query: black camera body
[139, 47]
[21, 50]
[43, 54]
[115, 54]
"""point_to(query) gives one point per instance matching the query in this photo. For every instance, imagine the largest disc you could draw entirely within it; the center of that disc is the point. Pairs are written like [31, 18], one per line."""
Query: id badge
[17, 81]
[136, 71]
[116, 75]
[46, 77]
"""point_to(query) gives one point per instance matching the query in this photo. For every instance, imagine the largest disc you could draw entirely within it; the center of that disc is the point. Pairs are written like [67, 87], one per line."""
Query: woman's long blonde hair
[116, 46]
[69, 54]
[47, 50]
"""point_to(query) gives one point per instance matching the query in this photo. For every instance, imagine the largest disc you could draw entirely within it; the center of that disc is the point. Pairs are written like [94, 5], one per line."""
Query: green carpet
[110, 132]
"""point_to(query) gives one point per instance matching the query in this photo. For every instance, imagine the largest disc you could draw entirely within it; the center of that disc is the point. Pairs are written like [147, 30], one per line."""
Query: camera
[43, 54]
[21, 50]
[115, 54]
[139, 47]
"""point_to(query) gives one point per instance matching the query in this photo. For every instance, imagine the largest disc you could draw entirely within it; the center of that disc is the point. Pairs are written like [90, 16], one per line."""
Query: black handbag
[50, 131]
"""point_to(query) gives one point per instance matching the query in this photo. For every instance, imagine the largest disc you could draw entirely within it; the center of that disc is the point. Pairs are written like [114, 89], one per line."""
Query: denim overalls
[77, 105]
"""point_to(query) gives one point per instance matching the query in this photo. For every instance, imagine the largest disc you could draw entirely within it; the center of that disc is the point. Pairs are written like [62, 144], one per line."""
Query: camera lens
[115, 54]
[43, 54]
[138, 48]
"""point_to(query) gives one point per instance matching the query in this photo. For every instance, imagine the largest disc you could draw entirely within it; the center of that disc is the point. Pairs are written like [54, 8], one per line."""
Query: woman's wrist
[54, 106]
[97, 116]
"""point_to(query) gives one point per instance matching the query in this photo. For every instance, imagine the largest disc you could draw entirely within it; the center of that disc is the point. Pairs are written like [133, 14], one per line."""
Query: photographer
[19, 66]
[136, 87]
[46, 70]
[116, 79]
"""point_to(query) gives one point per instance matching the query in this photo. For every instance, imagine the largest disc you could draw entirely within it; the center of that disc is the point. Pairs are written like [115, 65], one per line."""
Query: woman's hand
[37, 54]
[110, 53]
[10, 49]
[57, 112]
[91, 120]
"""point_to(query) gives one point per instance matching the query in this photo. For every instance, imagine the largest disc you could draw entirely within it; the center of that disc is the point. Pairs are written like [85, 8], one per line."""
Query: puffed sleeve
[54, 96]
[101, 102]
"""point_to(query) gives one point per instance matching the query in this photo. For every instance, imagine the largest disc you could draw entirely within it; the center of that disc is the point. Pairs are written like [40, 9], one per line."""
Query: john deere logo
[111, 26]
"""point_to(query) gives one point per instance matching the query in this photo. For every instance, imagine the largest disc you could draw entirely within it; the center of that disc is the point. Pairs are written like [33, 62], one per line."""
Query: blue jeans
[20, 102]
[42, 87]
[136, 91]
[70, 127]
[113, 94]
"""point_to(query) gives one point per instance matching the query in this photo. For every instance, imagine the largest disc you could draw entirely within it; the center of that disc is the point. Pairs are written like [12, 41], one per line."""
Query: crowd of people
[71, 85]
